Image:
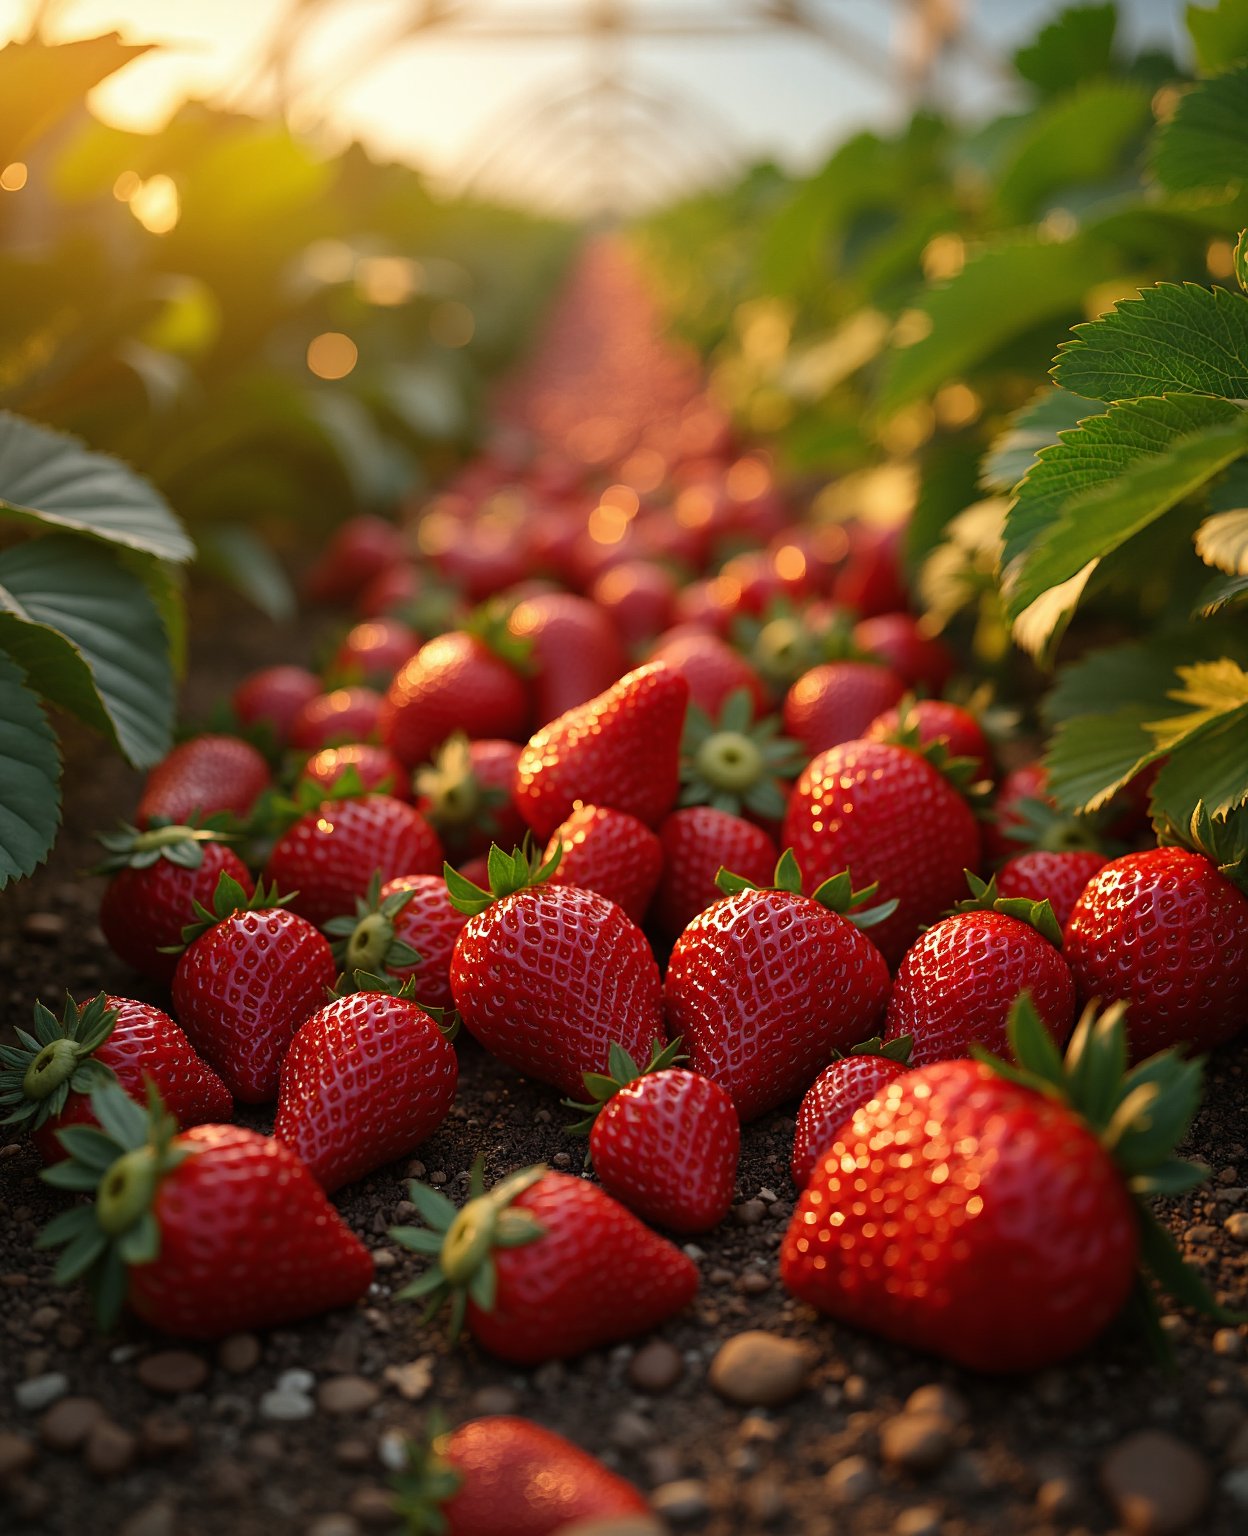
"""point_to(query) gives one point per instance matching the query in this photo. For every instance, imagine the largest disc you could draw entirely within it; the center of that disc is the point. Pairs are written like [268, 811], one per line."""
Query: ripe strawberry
[251, 973]
[547, 976]
[609, 852]
[502, 1476]
[638, 596]
[836, 1093]
[457, 682]
[620, 750]
[738, 763]
[201, 777]
[991, 1219]
[273, 697]
[366, 1079]
[465, 794]
[545, 1266]
[215, 1231]
[900, 641]
[957, 983]
[1021, 793]
[1058, 878]
[926, 722]
[713, 670]
[888, 816]
[374, 650]
[697, 843]
[574, 650]
[663, 1141]
[358, 552]
[836, 701]
[335, 718]
[158, 877]
[47, 1078]
[1167, 932]
[870, 581]
[766, 984]
[406, 928]
[376, 768]
[328, 857]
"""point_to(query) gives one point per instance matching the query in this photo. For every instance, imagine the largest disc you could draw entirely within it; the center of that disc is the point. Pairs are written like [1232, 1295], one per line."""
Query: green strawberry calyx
[277, 811]
[461, 1242]
[228, 898]
[453, 796]
[402, 988]
[1036, 914]
[489, 624]
[780, 645]
[509, 872]
[38, 1074]
[836, 894]
[897, 1050]
[963, 772]
[175, 842]
[369, 941]
[121, 1162]
[621, 1070]
[737, 763]
[1222, 839]
[426, 1482]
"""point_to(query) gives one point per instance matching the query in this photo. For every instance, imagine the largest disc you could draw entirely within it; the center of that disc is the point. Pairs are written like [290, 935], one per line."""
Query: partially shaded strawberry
[273, 697]
[713, 670]
[456, 682]
[697, 843]
[1058, 878]
[836, 701]
[836, 1093]
[573, 647]
[925, 722]
[466, 795]
[609, 852]
[334, 718]
[377, 768]
[374, 650]
[201, 777]
[922, 660]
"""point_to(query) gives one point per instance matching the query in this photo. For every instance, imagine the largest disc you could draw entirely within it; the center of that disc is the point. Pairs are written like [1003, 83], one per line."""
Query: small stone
[1057, 1498]
[373, 1506]
[663, 1464]
[850, 1480]
[159, 1518]
[1235, 1486]
[1157, 1484]
[656, 1367]
[239, 1353]
[392, 1450]
[1237, 1226]
[919, 1442]
[110, 1449]
[495, 1399]
[334, 1525]
[630, 1431]
[413, 1380]
[384, 1258]
[857, 1390]
[266, 1446]
[937, 1398]
[172, 1372]
[682, 1501]
[286, 1406]
[758, 1369]
[342, 1395]
[161, 1434]
[749, 1213]
[43, 927]
[1228, 1342]
[765, 1500]
[17, 1455]
[1201, 1232]
[355, 1455]
[68, 1423]
[41, 1391]
[918, 1520]
[614, 1525]
[754, 1282]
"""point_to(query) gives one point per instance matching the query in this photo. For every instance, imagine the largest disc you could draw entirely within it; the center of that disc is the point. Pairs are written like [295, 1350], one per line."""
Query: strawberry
[546, 976]
[713, 670]
[697, 843]
[638, 596]
[358, 551]
[332, 719]
[374, 650]
[251, 973]
[620, 750]
[366, 1079]
[997, 1216]
[1167, 932]
[201, 777]
[457, 682]
[544, 1267]
[836, 702]
[214, 1231]
[329, 856]
[404, 928]
[767, 983]
[663, 1141]
[466, 795]
[738, 763]
[273, 697]
[503, 1476]
[887, 815]
[158, 876]
[376, 768]
[956, 985]
[47, 1078]
[574, 649]
[1058, 878]
[901, 642]
[870, 580]
[1021, 793]
[609, 852]
[836, 1093]
[925, 722]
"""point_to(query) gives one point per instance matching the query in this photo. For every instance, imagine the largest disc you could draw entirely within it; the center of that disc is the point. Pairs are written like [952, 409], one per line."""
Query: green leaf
[90, 639]
[1206, 748]
[121, 1118]
[30, 773]
[1205, 143]
[1222, 593]
[1222, 541]
[1240, 258]
[1219, 34]
[434, 1207]
[1179, 337]
[41, 84]
[52, 481]
[233, 553]
[1037, 425]
[1077, 45]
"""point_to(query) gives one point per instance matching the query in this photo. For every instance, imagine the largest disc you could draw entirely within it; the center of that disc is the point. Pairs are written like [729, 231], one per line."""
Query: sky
[515, 117]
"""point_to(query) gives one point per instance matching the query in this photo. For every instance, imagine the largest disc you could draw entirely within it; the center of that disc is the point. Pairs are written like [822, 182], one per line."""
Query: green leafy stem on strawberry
[229, 897]
[602, 1087]
[836, 893]
[1036, 914]
[736, 763]
[447, 1019]
[508, 873]
[369, 941]
[39, 1073]
[176, 842]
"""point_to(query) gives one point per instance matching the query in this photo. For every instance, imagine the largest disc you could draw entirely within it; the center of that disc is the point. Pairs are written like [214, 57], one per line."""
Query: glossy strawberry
[456, 682]
[697, 843]
[358, 551]
[836, 702]
[47, 1078]
[214, 1231]
[622, 750]
[900, 640]
[574, 651]
[639, 597]
[335, 718]
[374, 650]
[329, 856]
[248, 978]
[766, 984]
[546, 976]
[545, 1266]
[157, 877]
[664, 1141]
[377, 769]
[713, 670]
[836, 1093]
[466, 795]
[201, 777]
[925, 722]
[1058, 878]
[406, 928]
[273, 697]
[609, 852]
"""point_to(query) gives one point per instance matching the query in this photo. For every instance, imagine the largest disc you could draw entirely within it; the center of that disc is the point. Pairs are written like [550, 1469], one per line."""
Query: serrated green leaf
[1219, 34]
[1222, 593]
[30, 774]
[1222, 541]
[1036, 426]
[1076, 45]
[1205, 143]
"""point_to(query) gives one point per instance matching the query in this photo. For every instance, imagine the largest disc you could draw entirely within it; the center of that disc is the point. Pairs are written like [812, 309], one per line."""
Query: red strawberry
[871, 580]
[639, 597]
[1058, 878]
[374, 650]
[201, 777]
[574, 649]
[664, 1141]
[697, 843]
[1020, 792]
[251, 973]
[836, 701]
[990, 1220]
[328, 857]
[609, 852]
[405, 928]
[547, 976]
[836, 1093]
[215, 1231]
[160, 875]
[902, 643]
[335, 718]
[766, 984]
[958, 982]
[466, 795]
[620, 750]
[713, 670]
[376, 769]
[357, 553]
[46, 1080]
[926, 722]
[888, 816]
[502, 1476]
[1168, 933]
[274, 696]
[457, 682]
[366, 1079]
[546, 1266]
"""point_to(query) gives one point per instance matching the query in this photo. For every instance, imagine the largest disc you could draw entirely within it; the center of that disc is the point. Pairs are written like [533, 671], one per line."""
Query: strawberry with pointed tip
[663, 1140]
[837, 1092]
[543, 1267]
[158, 876]
[546, 975]
[213, 1231]
[47, 1078]
[1058, 878]
[698, 841]
[765, 984]
[737, 763]
[200, 778]
[609, 852]
[251, 973]
[465, 795]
